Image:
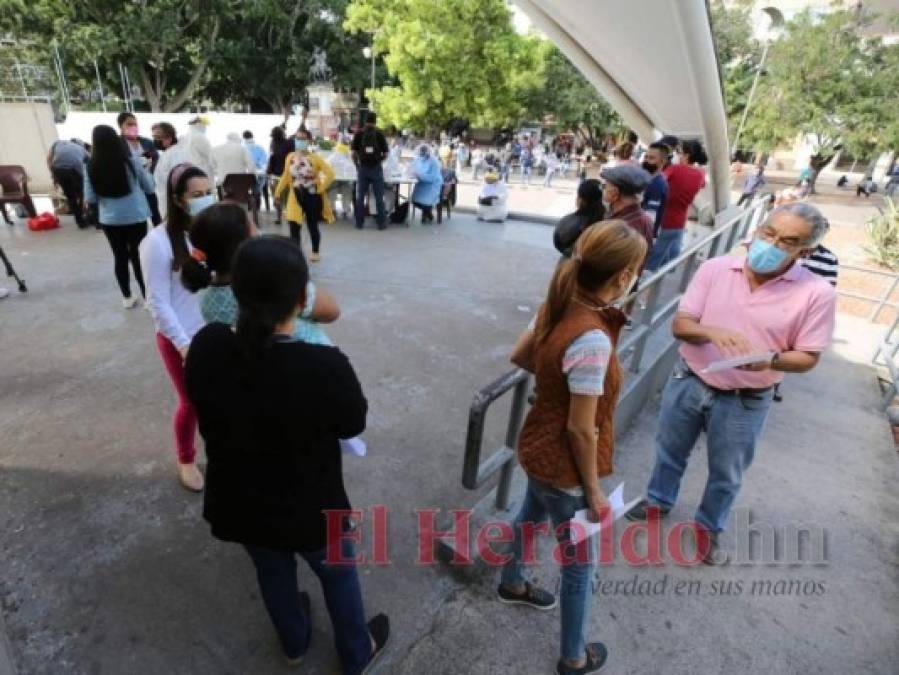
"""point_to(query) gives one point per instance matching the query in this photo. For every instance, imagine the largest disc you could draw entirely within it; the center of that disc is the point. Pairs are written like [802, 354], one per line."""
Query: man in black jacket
[369, 150]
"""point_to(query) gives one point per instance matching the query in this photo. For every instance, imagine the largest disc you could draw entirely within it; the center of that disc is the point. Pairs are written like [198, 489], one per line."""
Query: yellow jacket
[324, 176]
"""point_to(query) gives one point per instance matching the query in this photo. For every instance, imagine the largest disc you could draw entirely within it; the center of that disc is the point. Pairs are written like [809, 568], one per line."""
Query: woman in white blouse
[176, 310]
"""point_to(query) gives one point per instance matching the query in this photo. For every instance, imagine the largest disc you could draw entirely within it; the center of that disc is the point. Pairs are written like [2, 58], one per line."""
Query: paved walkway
[826, 458]
[108, 567]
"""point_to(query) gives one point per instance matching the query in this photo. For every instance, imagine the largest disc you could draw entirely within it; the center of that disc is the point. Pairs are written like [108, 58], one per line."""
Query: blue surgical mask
[197, 204]
[765, 258]
[301, 144]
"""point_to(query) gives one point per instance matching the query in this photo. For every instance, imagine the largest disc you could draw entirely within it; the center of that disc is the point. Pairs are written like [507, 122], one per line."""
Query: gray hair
[810, 215]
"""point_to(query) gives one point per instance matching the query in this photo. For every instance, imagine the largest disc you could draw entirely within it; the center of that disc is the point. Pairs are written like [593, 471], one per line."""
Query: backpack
[400, 213]
[369, 148]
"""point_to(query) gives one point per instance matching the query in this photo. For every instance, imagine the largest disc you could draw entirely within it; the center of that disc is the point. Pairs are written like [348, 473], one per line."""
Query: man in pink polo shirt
[767, 305]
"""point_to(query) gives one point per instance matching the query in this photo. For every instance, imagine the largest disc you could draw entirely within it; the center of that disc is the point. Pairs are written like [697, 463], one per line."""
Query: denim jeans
[542, 500]
[732, 425]
[666, 248]
[277, 575]
[370, 176]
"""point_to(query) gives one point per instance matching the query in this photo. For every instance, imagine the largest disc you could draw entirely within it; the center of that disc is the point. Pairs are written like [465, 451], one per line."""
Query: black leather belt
[748, 393]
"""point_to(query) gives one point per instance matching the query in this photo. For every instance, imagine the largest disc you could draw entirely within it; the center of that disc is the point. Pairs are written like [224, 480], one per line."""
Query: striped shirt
[824, 263]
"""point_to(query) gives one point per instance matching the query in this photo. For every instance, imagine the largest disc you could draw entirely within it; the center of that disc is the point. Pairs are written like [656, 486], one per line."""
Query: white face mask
[197, 204]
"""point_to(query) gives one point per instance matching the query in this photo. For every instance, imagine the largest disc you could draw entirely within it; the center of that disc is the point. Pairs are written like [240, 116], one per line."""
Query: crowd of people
[238, 324]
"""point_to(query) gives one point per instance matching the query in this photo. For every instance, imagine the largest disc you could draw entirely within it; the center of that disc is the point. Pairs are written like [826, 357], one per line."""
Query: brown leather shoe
[190, 477]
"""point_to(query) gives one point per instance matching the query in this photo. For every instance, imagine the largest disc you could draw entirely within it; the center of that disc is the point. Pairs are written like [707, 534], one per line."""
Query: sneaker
[532, 597]
[129, 302]
[597, 655]
[314, 257]
[3, 292]
[379, 629]
[190, 477]
[642, 510]
[306, 606]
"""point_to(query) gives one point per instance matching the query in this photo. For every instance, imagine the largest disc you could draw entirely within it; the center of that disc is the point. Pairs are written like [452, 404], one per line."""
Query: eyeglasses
[770, 235]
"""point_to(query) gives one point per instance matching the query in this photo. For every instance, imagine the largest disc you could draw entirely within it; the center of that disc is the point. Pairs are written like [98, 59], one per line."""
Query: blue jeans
[732, 424]
[542, 500]
[370, 176]
[277, 575]
[666, 248]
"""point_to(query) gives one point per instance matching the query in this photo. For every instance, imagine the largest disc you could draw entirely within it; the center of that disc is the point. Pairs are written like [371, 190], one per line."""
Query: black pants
[124, 240]
[427, 212]
[312, 211]
[72, 184]
[859, 191]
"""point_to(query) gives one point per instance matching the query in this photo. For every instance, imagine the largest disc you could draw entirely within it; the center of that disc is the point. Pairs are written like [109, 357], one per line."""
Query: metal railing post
[645, 322]
[516, 417]
[876, 312]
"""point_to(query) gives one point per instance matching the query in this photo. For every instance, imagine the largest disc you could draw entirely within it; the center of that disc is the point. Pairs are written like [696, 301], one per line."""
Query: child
[215, 236]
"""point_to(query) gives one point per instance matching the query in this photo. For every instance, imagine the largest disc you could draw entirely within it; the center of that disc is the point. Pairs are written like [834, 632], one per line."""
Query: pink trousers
[185, 418]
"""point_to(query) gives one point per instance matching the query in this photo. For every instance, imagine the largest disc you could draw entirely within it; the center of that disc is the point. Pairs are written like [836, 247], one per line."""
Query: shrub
[883, 236]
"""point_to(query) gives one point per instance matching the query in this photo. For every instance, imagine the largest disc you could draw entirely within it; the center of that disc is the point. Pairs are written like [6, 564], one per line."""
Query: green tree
[738, 53]
[166, 44]
[565, 100]
[266, 53]
[454, 58]
[828, 83]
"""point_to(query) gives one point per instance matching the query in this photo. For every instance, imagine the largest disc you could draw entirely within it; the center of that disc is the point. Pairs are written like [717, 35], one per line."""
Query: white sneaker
[3, 292]
[129, 303]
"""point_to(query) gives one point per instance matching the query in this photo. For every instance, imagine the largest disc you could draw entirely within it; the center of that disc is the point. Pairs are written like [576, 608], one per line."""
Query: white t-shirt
[175, 310]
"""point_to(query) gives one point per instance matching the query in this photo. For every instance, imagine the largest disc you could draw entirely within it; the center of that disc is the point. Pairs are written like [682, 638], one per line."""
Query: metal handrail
[476, 472]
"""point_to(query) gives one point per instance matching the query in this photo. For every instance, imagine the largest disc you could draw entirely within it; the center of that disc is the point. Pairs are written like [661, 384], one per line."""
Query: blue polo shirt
[654, 197]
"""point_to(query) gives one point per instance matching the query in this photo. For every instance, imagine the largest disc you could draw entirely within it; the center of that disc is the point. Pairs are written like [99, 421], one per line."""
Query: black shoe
[532, 597]
[382, 227]
[358, 227]
[379, 628]
[597, 655]
[643, 510]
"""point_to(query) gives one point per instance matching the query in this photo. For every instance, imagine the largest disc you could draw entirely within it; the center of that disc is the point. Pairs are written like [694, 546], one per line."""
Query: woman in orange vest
[567, 442]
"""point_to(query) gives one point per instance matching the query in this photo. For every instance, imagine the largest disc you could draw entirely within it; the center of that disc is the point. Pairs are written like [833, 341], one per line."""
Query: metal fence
[647, 353]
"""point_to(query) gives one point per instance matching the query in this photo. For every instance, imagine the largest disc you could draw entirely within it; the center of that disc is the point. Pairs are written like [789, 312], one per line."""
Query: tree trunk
[150, 92]
[817, 162]
[178, 101]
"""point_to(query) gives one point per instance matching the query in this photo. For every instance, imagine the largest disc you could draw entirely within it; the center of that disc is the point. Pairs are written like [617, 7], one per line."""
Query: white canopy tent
[654, 62]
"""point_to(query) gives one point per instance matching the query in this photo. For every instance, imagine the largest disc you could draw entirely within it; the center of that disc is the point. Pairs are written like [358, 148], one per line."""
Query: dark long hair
[216, 233]
[590, 194]
[696, 152]
[269, 277]
[110, 163]
[178, 220]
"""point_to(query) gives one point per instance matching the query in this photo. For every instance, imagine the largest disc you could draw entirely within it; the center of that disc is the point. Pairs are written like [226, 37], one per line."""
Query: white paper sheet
[727, 364]
[353, 446]
[588, 529]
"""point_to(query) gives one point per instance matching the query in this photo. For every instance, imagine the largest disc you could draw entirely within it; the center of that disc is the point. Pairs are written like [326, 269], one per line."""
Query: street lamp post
[777, 19]
[369, 53]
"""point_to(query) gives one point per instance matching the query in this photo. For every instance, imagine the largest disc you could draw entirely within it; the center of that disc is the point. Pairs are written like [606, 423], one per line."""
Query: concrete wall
[26, 134]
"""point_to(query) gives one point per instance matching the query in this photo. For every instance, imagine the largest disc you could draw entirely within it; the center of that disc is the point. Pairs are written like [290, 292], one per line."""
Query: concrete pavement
[108, 567]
